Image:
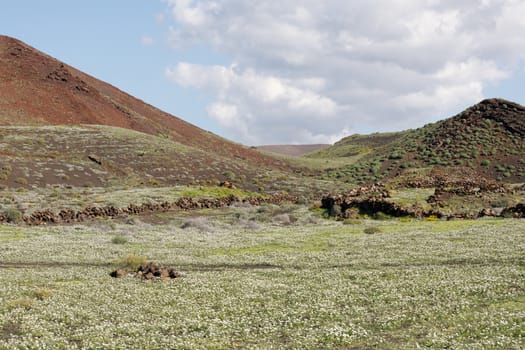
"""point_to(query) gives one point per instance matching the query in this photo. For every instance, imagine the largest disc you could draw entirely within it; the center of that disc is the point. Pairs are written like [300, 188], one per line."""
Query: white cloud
[147, 40]
[470, 70]
[307, 71]
[243, 96]
[160, 18]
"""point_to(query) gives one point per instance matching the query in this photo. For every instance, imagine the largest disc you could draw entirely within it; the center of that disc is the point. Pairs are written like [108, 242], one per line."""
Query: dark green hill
[487, 137]
[355, 145]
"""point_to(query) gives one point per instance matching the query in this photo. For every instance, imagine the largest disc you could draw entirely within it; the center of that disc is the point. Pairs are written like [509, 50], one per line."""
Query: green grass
[256, 249]
[413, 196]
[10, 233]
[216, 192]
[416, 284]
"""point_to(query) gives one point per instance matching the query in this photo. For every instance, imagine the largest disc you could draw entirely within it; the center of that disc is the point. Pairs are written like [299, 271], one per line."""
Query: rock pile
[460, 181]
[150, 271]
[517, 211]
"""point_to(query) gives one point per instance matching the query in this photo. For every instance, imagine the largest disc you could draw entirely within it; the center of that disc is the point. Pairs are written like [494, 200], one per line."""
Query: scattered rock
[226, 184]
[118, 273]
[95, 159]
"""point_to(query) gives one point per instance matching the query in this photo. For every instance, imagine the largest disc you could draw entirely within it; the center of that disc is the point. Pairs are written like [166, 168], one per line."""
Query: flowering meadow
[251, 280]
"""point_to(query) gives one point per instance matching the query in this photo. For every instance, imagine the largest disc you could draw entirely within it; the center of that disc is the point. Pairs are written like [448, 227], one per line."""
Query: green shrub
[13, 215]
[372, 230]
[283, 219]
[395, 155]
[485, 162]
[131, 262]
[500, 203]
[119, 240]
[21, 181]
[41, 294]
[200, 223]
[381, 216]
[499, 168]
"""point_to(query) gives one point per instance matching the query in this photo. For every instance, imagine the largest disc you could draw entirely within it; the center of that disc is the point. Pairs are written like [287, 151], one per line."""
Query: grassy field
[266, 278]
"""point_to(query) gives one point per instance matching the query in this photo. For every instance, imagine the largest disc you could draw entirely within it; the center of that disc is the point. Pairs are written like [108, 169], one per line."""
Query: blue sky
[263, 72]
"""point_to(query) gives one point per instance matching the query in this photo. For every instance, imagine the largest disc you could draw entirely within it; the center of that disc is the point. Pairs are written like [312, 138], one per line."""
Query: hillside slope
[36, 89]
[37, 157]
[488, 137]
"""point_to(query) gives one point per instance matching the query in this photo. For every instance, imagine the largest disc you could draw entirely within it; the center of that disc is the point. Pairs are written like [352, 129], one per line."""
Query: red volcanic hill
[36, 89]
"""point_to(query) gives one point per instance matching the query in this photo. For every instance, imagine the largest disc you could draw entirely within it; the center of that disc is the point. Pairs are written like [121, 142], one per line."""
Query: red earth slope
[36, 89]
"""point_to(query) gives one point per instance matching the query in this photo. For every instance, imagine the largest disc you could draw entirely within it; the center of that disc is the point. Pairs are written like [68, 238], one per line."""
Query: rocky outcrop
[517, 211]
[374, 199]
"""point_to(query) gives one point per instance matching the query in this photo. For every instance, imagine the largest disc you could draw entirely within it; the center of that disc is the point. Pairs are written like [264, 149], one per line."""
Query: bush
[372, 230]
[485, 162]
[13, 215]
[21, 181]
[199, 223]
[500, 203]
[395, 155]
[131, 262]
[250, 225]
[283, 219]
[42, 294]
[311, 220]
[380, 216]
[119, 240]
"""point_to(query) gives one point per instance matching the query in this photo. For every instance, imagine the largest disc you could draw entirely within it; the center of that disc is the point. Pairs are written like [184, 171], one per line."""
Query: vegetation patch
[217, 192]
[372, 230]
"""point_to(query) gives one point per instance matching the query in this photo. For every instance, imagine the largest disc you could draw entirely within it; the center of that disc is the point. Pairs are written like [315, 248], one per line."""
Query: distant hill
[36, 89]
[488, 137]
[292, 150]
[355, 145]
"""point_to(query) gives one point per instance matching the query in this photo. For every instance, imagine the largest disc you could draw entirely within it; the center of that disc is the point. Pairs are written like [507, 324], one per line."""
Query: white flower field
[308, 284]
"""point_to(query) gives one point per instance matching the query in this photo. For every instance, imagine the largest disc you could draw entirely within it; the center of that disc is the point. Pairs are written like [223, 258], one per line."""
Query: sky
[288, 72]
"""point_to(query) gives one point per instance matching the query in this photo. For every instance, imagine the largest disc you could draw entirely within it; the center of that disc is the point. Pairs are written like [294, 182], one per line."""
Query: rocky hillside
[488, 137]
[36, 89]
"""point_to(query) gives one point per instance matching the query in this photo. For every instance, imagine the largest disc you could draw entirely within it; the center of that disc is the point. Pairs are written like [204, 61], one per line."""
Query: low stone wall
[66, 216]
